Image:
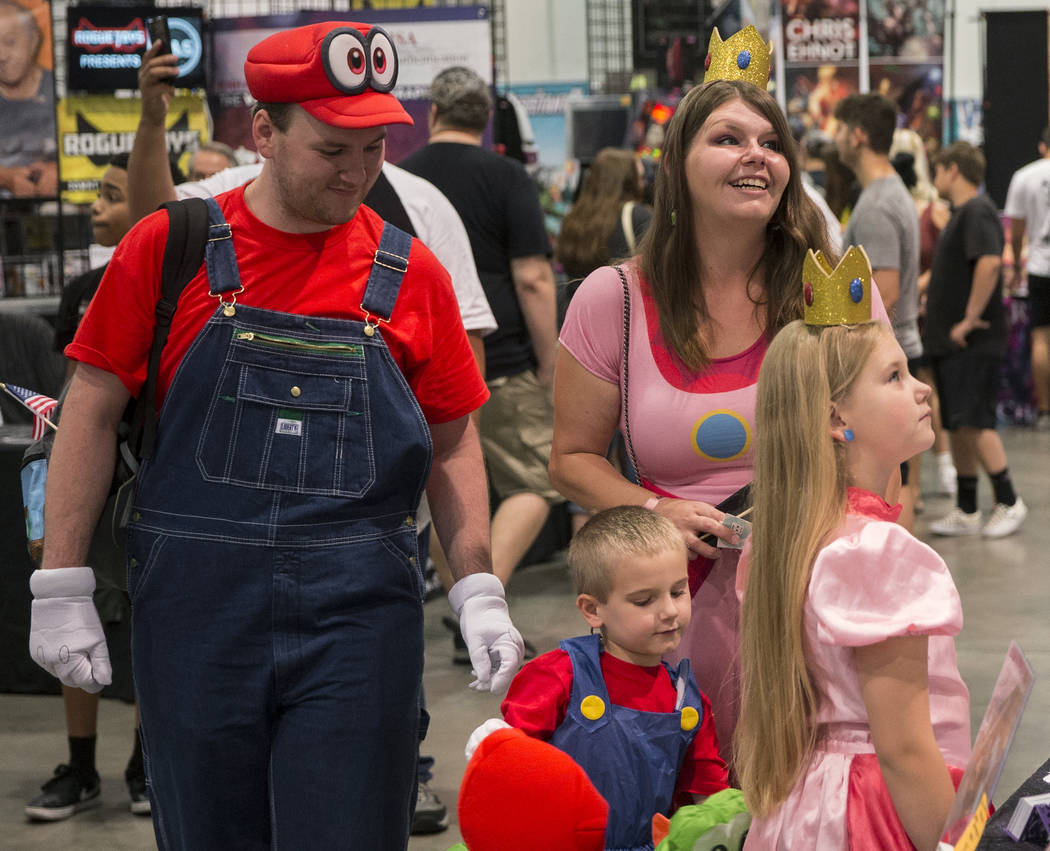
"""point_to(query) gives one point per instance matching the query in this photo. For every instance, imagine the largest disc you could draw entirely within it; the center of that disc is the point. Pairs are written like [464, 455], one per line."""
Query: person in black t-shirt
[965, 337]
[500, 208]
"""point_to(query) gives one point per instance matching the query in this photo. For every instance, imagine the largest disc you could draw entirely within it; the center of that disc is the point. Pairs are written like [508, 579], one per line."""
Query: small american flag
[41, 406]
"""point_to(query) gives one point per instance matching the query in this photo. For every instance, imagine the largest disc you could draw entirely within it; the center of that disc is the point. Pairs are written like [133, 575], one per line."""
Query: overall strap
[388, 268]
[223, 275]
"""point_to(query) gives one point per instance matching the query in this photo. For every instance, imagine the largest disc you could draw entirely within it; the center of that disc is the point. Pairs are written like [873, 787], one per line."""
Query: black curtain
[1015, 94]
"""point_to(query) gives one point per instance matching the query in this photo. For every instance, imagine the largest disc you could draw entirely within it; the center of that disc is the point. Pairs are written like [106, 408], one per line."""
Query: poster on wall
[821, 60]
[833, 48]
[28, 159]
[428, 40]
[93, 129]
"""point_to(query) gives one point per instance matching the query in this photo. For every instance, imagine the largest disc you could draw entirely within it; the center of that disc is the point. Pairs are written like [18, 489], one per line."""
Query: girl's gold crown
[839, 296]
[742, 56]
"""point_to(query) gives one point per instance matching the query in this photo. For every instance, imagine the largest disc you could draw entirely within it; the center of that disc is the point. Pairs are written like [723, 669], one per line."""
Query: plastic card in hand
[735, 524]
[968, 815]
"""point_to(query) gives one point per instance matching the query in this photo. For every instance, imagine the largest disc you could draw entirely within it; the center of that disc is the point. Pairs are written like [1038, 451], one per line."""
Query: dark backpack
[183, 255]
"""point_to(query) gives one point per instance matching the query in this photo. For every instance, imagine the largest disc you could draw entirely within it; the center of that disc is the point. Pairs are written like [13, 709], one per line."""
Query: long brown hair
[668, 249]
[800, 495]
[611, 180]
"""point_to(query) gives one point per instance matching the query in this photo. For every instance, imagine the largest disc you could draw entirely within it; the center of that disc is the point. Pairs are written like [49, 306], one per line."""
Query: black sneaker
[64, 794]
[138, 793]
[459, 647]
[431, 815]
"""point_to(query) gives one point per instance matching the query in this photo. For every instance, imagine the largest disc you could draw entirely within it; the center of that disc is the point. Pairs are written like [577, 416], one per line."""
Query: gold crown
[839, 296]
[742, 56]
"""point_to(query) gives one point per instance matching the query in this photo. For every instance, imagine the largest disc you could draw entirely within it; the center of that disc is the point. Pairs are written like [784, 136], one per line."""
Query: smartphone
[158, 31]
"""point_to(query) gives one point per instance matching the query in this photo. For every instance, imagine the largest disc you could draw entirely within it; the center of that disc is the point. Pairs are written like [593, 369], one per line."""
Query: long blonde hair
[800, 498]
[669, 250]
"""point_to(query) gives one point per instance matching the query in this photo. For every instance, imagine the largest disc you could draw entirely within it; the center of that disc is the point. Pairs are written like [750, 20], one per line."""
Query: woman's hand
[696, 520]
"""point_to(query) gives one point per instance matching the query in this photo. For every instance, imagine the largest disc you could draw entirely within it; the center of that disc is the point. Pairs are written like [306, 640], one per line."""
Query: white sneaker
[1005, 519]
[958, 522]
[947, 479]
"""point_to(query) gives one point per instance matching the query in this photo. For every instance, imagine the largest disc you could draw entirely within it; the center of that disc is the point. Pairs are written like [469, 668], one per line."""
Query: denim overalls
[632, 757]
[277, 599]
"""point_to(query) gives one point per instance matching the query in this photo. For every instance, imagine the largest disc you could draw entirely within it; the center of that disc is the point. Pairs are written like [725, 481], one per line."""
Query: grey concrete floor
[1002, 583]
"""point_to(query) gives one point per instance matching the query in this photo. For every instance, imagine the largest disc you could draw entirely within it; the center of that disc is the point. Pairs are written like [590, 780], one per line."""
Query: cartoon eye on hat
[354, 64]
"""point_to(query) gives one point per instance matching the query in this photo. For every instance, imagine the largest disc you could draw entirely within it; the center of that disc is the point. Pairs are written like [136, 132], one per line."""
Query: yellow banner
[92, 129]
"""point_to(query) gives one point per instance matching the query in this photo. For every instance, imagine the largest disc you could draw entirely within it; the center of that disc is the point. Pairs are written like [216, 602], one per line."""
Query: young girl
[854, 719]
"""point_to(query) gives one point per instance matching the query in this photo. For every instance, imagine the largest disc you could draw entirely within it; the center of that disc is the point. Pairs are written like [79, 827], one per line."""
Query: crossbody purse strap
[626, 367]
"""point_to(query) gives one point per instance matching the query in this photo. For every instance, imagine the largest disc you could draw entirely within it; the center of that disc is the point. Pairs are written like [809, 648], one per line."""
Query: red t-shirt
[316, 274]
[539, 698]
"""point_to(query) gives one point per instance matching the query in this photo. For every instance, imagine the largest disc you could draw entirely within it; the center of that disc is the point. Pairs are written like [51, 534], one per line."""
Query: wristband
[652, 502]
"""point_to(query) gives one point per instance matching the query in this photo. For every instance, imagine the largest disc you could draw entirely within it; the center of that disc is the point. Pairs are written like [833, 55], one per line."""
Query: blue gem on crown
[856, 290]
[743, 59]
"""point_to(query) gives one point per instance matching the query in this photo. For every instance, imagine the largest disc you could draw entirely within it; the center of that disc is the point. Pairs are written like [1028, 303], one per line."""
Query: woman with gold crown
[667, 347]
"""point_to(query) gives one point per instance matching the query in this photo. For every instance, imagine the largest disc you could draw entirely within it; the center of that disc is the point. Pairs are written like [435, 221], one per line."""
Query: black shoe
[459, 646]
[65, 794]
[137, 791]
[431, 815]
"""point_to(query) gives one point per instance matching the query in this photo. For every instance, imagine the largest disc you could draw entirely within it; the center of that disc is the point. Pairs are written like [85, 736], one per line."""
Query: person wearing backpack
[75, 785]
[316, 377]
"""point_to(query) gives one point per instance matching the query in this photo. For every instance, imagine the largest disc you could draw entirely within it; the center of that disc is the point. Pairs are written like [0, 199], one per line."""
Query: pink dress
[872, 582]
[693, 436]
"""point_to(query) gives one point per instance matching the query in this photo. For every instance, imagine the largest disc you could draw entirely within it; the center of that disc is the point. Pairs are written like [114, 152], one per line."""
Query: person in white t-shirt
[1028, 208]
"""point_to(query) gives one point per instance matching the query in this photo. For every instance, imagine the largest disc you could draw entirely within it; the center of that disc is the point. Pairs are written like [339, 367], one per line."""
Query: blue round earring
[847, 434]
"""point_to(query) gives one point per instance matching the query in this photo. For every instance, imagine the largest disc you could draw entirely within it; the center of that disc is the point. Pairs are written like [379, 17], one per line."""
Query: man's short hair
[613, 535]
[1044, 137]
[968, 159]
[873, 113]
[220, 148]
[461, 98]
[280, 114]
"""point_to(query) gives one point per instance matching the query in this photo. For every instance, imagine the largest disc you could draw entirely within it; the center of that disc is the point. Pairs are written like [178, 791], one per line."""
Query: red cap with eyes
[341, 73]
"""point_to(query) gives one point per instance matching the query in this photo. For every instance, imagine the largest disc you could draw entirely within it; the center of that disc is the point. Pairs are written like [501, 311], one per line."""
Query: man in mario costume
[315, 379]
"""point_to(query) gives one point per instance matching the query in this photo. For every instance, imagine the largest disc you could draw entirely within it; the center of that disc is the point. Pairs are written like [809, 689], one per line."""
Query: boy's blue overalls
[277, 595]
[632, 757]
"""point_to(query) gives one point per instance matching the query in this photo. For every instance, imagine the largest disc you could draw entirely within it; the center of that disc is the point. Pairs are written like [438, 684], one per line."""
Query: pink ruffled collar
[870, 504]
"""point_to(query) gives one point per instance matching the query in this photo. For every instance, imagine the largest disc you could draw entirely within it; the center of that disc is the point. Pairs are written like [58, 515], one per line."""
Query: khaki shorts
[517, 423]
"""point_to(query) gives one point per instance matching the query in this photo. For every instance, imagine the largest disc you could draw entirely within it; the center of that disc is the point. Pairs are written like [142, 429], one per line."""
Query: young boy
[643, 732]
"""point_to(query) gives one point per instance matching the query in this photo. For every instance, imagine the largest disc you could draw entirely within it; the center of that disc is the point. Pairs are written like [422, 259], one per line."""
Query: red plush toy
[522, 794]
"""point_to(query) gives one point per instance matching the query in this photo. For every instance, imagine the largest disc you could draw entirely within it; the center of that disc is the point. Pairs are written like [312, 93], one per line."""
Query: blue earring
[847, 434]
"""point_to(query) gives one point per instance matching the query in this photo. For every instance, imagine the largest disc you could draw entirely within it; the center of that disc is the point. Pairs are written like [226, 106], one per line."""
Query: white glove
[494, 645]
[65, 634]
[490, 726]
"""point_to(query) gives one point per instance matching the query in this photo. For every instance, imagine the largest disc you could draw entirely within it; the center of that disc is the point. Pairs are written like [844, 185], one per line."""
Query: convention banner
[821, 59]
[28, 162]
[832, 48]
[92, 129]
[428, 40]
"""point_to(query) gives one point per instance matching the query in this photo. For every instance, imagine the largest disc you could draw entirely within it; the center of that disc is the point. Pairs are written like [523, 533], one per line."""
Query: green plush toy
[718, 824]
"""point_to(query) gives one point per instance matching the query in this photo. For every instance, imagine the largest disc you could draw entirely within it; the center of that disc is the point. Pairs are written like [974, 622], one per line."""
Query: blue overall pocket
[290, 415]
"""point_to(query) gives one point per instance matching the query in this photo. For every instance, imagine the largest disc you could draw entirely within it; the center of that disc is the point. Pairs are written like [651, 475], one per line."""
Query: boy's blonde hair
[613, 535]
[800, 498]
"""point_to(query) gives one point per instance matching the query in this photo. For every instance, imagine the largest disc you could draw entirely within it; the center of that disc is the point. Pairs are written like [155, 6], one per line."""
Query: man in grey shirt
[885, 222]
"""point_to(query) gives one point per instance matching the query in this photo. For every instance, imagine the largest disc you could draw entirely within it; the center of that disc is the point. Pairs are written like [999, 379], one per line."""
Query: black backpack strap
[183, 255]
